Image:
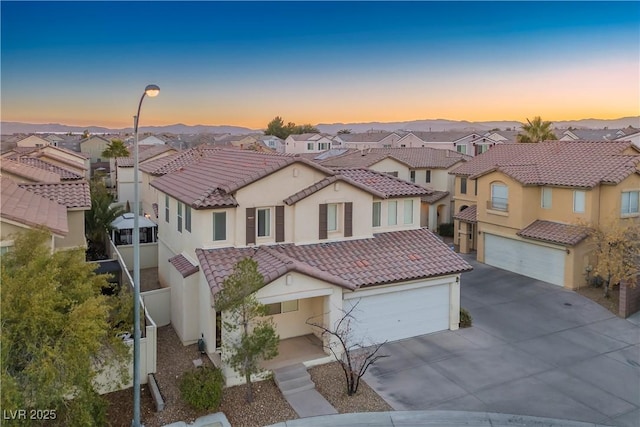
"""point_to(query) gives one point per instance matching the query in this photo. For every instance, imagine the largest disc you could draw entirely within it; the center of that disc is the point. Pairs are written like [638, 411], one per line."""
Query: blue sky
[86, 63]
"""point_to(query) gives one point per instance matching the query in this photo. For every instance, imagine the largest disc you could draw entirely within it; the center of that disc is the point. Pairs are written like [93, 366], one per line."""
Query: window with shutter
[279, 223]
[348, 219]
[251, 226]
[322, 226]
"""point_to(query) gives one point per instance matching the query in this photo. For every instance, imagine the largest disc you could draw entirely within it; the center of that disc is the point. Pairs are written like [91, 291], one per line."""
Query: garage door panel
[529, 259]
[400, 314]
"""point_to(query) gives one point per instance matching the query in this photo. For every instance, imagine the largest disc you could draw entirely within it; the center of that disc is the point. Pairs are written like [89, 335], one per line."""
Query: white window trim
[630, 213]
[389, 216]
[546, 190]
[493, 196]
[379, 204]
[213, 231]
[584, 201]
[335, 206]
[408, 211]
[269, 224]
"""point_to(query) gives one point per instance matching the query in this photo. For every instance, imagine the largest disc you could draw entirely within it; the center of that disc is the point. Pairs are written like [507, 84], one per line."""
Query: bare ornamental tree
[354, 357]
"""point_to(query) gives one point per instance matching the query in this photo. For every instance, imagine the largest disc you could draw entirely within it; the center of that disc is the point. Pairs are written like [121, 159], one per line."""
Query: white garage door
[400, 314]
[531, 260]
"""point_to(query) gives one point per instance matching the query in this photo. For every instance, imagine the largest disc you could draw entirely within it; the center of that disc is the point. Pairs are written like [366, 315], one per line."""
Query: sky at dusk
[243, 63]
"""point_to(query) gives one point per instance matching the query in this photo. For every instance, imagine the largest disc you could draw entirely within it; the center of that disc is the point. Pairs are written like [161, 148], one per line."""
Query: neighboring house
[33, 141]
[272, 142]
[591, 134]
[473, 144]
[76, 197]
[634, 137]
[123, 169]
[308, 143]
[324, 241]
[523, 206]
[54, 139]
[151, 140]
[57, 157]
[25, 173]
[22, 210]
[427, 167]
[93, 147]
[503, 136]
[371, 139]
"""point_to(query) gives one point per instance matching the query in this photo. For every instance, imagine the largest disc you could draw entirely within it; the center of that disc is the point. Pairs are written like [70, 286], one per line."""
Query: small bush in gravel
[202, 388]
[465, 318]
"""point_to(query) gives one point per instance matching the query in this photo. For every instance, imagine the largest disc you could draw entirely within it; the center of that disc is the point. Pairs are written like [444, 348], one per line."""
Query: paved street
[534, 349]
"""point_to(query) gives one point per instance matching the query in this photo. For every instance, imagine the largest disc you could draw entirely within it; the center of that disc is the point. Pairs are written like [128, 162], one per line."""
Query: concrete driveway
[534, 349]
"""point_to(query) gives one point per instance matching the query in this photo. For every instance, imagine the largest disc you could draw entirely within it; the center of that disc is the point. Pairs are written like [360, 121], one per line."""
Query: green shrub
[465, 318]
[202, 388]
[446, 230]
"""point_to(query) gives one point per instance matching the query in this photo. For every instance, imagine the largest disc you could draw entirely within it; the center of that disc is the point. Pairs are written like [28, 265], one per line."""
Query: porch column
[433, 218]
[463, 237]
[333, 310]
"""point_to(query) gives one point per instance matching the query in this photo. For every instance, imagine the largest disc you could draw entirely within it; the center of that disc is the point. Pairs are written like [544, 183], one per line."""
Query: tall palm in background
[536, 130]
[116, 148]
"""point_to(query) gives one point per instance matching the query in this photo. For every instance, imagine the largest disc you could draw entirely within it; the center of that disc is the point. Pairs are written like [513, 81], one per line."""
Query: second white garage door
[531, 260]
[400, 314]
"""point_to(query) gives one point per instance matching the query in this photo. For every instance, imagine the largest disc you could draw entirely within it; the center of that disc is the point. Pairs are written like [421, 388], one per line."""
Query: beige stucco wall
[409, 140]
[148, 254]
[391, 165]
[94, 147]
[81, 162]
[9, 231]
[125, 186]
[33, 141]
[76, 236]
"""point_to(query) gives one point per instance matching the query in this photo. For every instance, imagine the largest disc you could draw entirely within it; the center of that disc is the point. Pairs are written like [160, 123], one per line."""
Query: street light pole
[151, 90]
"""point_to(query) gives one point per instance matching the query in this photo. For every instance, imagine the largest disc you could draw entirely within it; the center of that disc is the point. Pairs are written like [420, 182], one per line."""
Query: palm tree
[116, 148]
[536, 131]
[98, 220]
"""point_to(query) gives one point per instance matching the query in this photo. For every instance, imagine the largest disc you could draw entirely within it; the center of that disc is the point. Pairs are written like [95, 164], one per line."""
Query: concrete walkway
[431, 418]
[296, 386]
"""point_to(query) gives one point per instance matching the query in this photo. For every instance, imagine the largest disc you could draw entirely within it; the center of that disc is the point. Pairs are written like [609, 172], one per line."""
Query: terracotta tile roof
[210, 181]
[183, 265]
[418, 157]
[563, 163]
[30, 209]
[145, 152]
[554, 232]
[386, 258]
[65, 174]
[26, 171]
[441, 136]
[60, 159]
[78, 154]
[173, 162]
[383, 183]
[366, 136]
[69, 194]
[434, 196]
[470, 214]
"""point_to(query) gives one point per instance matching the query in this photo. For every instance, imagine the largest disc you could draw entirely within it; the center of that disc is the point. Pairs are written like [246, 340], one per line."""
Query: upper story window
[546, 198]
[578, 201]
[499, 196]
[461, 149]
[463, 185]
[264, 222]
[187, 218]
[408, 211]
[412, 176]
[166, 208]
[482, 148]
[332, 217]
[377, 214]
[428, 176]
[335, 218]
[310, 146]
[475, 187]
[630, 205]
[179, 217]
[219, 226]
[394, 173]
[392, 210]
[323, 146]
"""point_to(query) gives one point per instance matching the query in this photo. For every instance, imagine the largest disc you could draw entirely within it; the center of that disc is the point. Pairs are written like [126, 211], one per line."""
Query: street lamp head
[152, 90]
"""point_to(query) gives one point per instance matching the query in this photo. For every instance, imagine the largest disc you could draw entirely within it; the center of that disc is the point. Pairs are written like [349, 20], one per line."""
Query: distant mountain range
[434, 125]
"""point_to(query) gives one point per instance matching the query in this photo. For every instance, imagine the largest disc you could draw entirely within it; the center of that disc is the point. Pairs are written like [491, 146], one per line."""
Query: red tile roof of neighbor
[65, 174]
[554, 232]
[69, 194]
[173, 162]
[379, 184]
[30, 209]
[470, 214]
[434, 196]
[386, 258]
[31, 173]
[563, 163]
[183, 265]
[60, 159]
[145, 153]
[210, 181]
[417, 157]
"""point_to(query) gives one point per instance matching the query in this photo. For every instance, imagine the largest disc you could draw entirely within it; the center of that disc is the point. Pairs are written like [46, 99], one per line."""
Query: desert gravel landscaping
[268, 407]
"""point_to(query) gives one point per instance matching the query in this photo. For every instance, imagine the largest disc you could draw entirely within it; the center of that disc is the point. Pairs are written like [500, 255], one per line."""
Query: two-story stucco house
[523, 206]
[324, 240]
[308, 143]
[371, 139]
[426, 167]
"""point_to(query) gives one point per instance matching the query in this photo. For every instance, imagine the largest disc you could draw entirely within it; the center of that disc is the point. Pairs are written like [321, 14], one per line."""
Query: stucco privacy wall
[76, 237]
